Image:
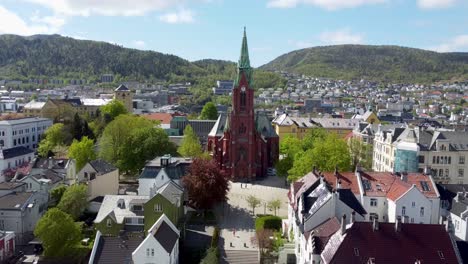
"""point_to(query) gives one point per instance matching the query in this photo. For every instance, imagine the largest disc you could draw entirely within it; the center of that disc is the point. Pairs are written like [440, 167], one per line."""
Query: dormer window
[121, 203]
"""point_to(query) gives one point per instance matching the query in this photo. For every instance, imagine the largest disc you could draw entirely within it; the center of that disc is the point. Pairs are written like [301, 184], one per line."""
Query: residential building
[369, 117]
[243, 143]
[19, 212]
[12, 158]
[33, 108]
[374, 242]
[285, 125]
[223, 87]
[24, 132]
[442, 153]
[101, 177]
[454, 200]
[107, 78]
[339, 126]
[7, 245]
[53, 168]
[161, 244]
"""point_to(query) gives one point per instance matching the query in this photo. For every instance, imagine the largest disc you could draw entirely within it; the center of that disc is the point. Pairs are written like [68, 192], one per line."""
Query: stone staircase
[240, 257]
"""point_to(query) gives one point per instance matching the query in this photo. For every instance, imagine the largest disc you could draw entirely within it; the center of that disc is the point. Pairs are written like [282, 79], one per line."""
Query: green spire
[244, 61]
[243, 66]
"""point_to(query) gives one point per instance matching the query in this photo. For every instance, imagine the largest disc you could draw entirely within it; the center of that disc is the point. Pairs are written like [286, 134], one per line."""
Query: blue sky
[198, 29]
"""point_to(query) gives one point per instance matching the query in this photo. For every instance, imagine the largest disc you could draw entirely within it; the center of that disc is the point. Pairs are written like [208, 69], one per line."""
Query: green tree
[289, 147]
[211, 256]
[82, 151]
[58, 233]
[142, 145]
[74, 200]
[209, 112]
[53, 137]
[190, 146]
[113, 109]
[57, 193]
[253, 202]
[274, 205]
[361, 154]
[326, 155]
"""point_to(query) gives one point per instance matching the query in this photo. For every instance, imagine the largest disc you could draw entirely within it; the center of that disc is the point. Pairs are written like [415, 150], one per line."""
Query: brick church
[243, 142]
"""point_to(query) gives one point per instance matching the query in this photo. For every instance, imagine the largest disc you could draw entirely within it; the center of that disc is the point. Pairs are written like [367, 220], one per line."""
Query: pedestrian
[234, 232]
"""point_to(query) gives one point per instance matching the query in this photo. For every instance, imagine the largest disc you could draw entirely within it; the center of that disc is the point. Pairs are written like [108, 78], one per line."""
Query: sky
[201, 29]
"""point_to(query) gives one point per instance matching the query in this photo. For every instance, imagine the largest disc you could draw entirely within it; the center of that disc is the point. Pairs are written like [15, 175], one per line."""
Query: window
[434, 160]
[356, 252]
[461, 173]
[412, 220]
[141, 221]
[421, 212]
[373, 216]
[147, 252]
[137, 208]
[403, 210]
[446, 172]
[152, 252]
[2, 224]
[109, 222]
[421, 159]
[413, 204]
[158, 207]
[441, 255]
[461, 160]
[373, 202]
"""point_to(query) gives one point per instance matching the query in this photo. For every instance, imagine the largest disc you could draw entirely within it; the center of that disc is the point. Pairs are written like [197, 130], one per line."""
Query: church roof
[220, 125]
[264, 126]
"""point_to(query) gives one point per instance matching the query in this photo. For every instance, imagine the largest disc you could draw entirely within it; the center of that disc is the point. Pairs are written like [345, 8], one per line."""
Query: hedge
[268, 222]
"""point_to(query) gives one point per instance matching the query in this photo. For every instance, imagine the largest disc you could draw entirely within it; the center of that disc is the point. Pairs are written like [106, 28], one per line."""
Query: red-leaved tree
[205, 183]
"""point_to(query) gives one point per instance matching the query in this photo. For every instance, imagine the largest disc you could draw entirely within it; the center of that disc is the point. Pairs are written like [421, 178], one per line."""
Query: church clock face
[243, 88]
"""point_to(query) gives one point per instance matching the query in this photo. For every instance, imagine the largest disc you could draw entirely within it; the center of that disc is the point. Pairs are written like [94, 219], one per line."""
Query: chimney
[404, 176]
[322, 179]
[375, 224]
[353, 217]
[458, 197]
[398, 224]
[338, 186]
[343, 224]
[50, 163]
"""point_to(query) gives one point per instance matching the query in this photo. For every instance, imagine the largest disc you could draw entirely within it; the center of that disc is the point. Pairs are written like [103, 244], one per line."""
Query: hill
[63, 57]
[380, 63]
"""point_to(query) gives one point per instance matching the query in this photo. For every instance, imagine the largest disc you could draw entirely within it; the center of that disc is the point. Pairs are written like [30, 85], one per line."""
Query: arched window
[242, 99]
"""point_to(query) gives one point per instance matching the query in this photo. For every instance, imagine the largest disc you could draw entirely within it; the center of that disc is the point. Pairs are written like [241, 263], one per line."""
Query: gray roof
[122, 88]
[15, 152]
[23, 120]
[109, 206]
[166, 237]
[263, 125]
[10, 185]
[102, 166]
[112, 250]
[15, 200]
[175, 170]
[219, 126]
[172, 192]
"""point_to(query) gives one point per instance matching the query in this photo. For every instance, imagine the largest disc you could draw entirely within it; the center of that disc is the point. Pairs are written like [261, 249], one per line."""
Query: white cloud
[139, 43]
[343, 36]
[325, 4]
[457, 43]
[432, 4]
[11, 23]
[179, 17]
[106, 7]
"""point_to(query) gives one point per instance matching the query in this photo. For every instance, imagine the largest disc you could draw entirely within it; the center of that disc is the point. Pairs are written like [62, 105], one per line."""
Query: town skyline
[197, 30]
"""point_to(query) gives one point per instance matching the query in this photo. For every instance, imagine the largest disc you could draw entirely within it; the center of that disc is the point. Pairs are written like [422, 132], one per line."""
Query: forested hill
[381, 63]
[64, 57]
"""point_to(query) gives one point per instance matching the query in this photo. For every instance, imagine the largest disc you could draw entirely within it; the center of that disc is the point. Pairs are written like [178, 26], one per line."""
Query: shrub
[211, 257]
[268, 222]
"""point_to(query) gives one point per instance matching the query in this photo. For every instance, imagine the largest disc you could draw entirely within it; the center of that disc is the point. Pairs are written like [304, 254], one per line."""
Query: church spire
[244, 61]
[243, 66]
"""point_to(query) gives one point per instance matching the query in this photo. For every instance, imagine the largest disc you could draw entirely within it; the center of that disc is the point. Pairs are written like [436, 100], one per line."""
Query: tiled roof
[164, 118]
[113, 250]
[322, 233]
[10, 185]
[426, 243]
[166, 237]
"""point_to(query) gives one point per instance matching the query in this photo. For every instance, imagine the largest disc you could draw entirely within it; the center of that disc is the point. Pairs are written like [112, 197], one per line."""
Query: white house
[459, 215]
[161, 244]
[101, 177]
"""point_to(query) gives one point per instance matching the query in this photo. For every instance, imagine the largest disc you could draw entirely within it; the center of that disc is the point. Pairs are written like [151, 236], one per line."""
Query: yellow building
[368, 117]
[285, 125]
[123, 94]
[340, 126]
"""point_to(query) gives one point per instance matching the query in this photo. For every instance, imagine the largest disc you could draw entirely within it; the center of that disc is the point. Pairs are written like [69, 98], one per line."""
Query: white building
[12, 158]
[24, 132]
[101, 177]
[161, 245]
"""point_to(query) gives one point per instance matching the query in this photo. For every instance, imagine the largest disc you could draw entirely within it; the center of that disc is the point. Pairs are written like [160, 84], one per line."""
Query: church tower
[242, 118]
[123, 94]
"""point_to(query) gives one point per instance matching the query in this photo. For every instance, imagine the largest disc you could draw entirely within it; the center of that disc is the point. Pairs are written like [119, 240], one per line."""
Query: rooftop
[15, 200]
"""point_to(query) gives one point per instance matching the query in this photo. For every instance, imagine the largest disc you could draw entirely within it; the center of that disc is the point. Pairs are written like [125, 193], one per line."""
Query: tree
[82, 151]
[253, 202]
[74, 200]
[274, 205]
[80, 128]
[205, 183]
[57, 193]
[289, 146]
[53, 137]
[58, 232]
[326, 155]
[142, 145]
[361, 154]
[209, 112]
[114, 108]
[190, 146]
[262, 239]
[211, 256]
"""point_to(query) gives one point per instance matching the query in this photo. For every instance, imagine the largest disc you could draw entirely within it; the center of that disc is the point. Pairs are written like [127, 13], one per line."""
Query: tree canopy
[113, 109]
[209, 112]
[58, 232]
[53, 137]
[74, 200]
[190, 146]
[205, 183]
[82, 151]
